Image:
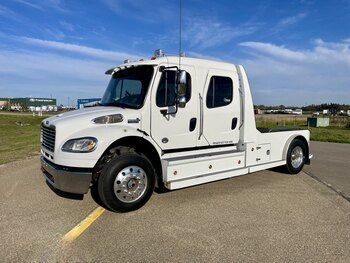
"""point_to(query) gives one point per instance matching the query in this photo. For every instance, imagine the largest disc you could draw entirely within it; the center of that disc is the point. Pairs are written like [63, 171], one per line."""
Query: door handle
[234, 123]
[193, 123]
[200, 116]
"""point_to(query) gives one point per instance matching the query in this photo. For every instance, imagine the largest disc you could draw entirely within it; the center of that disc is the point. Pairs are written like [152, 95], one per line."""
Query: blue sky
[295, 52]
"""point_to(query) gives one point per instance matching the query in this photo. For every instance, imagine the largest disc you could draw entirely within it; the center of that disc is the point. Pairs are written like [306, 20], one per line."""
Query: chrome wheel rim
[130, 184]
[297, 157]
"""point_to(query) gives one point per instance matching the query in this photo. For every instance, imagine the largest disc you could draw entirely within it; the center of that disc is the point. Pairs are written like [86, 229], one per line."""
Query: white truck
[166, 127]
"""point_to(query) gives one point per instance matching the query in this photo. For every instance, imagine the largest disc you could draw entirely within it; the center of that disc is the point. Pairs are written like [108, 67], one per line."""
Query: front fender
[105, 135]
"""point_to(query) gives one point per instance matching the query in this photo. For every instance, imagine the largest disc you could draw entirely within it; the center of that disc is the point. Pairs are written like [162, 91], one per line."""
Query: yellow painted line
[83, 225]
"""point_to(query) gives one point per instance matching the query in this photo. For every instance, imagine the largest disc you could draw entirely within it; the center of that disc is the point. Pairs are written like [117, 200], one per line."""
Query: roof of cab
[173, 61]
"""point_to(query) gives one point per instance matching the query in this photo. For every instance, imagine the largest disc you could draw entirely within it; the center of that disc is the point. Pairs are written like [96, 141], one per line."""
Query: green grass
[338, 131]
[330, 134]
[19, 136]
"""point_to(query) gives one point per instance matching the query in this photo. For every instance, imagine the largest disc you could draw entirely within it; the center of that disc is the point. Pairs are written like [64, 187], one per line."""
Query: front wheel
[296, 156]
[127, 182]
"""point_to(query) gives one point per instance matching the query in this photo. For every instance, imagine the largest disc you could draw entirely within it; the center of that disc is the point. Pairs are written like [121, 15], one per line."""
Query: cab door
[170, 129]
[221, 108]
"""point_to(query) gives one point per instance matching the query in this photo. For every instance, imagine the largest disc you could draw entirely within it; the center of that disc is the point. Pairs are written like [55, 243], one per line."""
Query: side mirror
[181, 88]
[181, 101]
[181, 77]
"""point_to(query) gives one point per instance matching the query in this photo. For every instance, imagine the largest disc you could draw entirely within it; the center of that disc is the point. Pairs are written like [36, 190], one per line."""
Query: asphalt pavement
[262, 217]
[331, 166]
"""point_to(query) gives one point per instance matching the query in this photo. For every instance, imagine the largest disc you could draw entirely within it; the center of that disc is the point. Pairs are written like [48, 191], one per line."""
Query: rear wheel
[296, 156]
[127, 182]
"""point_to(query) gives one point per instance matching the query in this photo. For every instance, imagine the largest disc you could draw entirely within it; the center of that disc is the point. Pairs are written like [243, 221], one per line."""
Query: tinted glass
[220, 92]
[166, 93]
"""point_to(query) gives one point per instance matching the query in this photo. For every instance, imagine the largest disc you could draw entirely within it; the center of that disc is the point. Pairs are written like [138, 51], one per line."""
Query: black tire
[127, 182]
[296, 156]
[96, 196]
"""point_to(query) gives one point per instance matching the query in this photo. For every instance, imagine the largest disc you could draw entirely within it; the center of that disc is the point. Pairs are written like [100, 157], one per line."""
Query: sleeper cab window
[166, 93]
[220, 92]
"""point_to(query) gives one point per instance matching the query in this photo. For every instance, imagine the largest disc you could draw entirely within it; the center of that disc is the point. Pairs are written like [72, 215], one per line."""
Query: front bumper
[66, 179]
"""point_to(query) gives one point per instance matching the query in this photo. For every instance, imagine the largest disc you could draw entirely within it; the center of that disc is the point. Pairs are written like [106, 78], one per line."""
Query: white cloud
[336, 51]
[76, 71]
[67, 26]
[30, 4]
[202, 56]
[150, 11]
[44, 5]
[114, 5]
[288, 21]
[8, 13]
[273, 50]
[31, 73]
[84, 50]
[55, 33]
[206, 33]
[294, 77]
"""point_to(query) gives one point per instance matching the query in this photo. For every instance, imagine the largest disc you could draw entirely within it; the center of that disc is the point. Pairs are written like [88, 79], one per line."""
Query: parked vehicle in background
[297, 112]
[344, 112]
[16, 108]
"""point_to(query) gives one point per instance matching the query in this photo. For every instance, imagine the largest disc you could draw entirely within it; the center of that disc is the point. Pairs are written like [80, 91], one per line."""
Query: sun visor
[116, 69]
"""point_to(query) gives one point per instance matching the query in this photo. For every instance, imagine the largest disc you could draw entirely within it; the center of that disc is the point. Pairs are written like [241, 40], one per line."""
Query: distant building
[258, 111]
[83, 103]
[31, 104]
[3, 102]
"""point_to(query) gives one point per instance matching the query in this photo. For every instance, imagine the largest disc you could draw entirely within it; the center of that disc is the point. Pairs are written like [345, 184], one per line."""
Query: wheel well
[301, 138]
[140, 145]
[307, 155]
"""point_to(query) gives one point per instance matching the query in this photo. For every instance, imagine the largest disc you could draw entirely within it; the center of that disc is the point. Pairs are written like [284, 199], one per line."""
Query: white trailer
[165, 126]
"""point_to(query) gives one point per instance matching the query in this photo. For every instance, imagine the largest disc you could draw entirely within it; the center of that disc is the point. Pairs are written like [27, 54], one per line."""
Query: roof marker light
[159, 53]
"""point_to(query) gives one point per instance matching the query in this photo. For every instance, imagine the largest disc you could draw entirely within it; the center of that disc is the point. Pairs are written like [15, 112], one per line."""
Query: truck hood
[84, 116]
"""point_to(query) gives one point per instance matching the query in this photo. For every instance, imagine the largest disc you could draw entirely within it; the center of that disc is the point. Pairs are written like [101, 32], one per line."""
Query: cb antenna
[180, 36]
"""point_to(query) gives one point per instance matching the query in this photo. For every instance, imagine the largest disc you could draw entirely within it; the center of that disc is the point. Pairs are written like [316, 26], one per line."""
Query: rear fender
[289, 141]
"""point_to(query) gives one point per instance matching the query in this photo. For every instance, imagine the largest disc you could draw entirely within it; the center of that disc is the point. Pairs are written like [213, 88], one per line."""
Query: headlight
[107, 119]
[80, 145]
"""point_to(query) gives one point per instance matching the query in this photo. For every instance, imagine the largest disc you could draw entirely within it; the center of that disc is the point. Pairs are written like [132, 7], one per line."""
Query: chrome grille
[48, 135]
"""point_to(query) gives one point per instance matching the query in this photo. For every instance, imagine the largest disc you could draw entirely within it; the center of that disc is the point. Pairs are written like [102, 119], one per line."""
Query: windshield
[128, 87]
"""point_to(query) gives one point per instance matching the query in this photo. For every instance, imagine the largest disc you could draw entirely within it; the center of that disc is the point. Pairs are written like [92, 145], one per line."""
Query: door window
[220, 92]
[166, 93]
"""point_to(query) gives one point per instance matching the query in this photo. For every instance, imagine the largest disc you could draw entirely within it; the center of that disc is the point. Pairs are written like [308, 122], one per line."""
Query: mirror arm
[162, 68]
